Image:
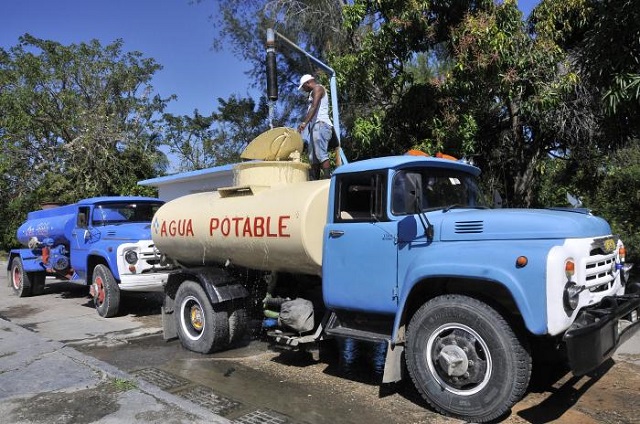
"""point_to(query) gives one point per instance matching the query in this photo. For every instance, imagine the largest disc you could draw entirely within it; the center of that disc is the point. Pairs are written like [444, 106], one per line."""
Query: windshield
[120, 213]
[433, 188]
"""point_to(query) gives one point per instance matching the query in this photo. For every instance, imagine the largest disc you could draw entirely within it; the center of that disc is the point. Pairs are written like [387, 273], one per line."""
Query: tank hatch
[274, 145]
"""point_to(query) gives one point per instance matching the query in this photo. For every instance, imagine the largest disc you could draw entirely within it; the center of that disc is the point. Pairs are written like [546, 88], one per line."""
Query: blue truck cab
[104, 242]
[412, 258]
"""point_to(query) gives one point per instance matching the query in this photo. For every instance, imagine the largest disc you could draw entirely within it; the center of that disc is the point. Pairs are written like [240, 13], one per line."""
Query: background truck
[102, 241]
[400, 250]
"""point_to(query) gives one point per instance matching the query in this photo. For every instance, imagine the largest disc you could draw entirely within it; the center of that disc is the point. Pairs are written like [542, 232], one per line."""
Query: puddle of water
[357, 357]
[257, 380]
[21, 311]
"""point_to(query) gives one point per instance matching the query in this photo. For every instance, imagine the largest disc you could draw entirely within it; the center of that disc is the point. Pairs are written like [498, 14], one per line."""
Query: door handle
[336, 233]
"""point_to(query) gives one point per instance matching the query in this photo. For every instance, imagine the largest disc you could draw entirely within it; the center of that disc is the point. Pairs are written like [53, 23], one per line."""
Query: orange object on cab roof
[443, 156]
[415, 152]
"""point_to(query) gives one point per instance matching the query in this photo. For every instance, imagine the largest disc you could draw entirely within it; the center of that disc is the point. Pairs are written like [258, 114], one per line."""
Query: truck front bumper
[599, 330]
[150, 282]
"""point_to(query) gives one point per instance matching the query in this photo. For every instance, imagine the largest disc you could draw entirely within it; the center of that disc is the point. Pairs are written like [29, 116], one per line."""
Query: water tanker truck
[402, 252]
[104, 242]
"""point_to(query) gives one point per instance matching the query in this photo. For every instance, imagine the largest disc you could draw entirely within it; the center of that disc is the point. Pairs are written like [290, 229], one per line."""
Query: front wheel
[19, 280]
[465, 359]
[106, 292]
[202, 327]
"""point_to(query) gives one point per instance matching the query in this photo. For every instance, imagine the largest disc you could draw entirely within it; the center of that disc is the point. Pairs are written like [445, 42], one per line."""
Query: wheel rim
[17, 278]
[99, 287]
[459, 359]
[192, 318]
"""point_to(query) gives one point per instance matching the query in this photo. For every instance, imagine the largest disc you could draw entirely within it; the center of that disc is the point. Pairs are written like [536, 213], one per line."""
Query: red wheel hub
[17, 278]
[99, 290]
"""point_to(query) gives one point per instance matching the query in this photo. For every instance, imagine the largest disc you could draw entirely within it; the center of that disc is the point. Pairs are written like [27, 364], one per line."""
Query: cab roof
[405, 161]
[122, 199]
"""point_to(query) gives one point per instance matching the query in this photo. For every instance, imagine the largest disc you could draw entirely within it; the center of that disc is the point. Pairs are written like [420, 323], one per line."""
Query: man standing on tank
[319, 126]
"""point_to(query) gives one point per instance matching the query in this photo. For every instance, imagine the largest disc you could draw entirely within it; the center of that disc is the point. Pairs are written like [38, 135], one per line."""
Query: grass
[123, 385]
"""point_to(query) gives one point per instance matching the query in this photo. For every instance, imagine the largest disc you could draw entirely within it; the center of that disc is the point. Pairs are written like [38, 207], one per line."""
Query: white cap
[303, 79]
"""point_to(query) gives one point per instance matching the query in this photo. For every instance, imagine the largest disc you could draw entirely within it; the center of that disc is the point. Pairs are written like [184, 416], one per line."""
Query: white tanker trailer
[398, 250]
[272, 219]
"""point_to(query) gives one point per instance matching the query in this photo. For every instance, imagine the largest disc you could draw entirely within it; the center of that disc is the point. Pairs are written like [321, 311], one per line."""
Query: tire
[237, 322]
[19, 280]
[37, 283]
[202, 327]
[465, 359]
[106, 292]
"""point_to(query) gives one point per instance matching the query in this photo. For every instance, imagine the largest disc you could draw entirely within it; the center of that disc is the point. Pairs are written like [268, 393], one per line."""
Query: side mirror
[407, 229]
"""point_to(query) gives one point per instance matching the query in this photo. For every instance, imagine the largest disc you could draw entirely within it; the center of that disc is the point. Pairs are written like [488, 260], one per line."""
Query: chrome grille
[153, 258]
[600, 272]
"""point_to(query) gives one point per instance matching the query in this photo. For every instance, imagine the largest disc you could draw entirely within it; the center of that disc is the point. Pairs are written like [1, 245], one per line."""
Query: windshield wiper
[459, 206]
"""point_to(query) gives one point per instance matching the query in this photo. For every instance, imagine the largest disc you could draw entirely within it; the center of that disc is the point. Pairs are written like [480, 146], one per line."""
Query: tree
[466, 77]
[603, 39]
[315, 25]
[238, 122]
[77, 121]
[501, 85]
[203, 141]
[190, 140]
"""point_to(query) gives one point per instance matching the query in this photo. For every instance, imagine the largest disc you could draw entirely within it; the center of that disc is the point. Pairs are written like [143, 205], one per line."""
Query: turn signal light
[622, 253]
[569, 269]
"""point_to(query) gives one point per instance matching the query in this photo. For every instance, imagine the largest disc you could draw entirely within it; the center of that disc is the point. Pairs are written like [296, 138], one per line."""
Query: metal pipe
[333, 86]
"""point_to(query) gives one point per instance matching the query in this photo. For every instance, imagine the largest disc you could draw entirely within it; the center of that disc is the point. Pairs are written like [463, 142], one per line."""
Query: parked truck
[104, 242]
[402, 251]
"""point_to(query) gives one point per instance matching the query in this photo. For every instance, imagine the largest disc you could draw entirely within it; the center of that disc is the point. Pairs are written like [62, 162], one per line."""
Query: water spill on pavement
[253, 378]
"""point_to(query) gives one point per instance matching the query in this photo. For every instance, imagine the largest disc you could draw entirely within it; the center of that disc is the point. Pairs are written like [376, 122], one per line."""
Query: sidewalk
[43, 381]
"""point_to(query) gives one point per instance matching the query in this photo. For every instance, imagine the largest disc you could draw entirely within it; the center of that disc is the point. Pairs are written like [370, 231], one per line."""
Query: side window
[83, 213]
[361, 197]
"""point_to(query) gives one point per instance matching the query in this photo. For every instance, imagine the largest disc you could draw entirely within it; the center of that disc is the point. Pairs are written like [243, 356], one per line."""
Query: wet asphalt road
[285, 387]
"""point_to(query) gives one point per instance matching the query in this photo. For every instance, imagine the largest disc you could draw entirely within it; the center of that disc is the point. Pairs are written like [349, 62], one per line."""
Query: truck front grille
[600, 272]
[153, 258]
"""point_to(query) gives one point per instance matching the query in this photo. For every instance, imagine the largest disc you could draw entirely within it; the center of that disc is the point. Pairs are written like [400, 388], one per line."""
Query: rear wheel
[237, 322]
[202, 327]
[465, 359]
[19, 279]
[106, 292]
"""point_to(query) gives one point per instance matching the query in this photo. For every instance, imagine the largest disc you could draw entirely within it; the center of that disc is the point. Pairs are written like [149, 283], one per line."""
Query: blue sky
[176, 33]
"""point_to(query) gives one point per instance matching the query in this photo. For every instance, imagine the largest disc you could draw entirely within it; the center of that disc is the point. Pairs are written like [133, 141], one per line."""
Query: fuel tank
[272, 219]
[55, 223]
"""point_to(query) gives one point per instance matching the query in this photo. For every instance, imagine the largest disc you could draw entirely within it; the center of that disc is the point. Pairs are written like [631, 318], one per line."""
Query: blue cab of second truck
[110, 235]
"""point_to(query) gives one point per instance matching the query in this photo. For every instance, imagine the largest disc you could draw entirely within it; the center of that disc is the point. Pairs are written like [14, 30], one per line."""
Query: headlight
[131, 257]
[571, 296]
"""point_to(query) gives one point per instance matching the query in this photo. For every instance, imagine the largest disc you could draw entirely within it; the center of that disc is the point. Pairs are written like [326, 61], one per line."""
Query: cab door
[360, 255]
[81, 242]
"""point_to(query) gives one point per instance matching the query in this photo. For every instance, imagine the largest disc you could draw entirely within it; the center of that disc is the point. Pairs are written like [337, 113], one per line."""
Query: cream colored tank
[272, 219]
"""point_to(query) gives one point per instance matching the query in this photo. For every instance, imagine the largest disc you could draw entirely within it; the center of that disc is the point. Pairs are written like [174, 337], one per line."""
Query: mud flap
[169, 330]
[393, 363]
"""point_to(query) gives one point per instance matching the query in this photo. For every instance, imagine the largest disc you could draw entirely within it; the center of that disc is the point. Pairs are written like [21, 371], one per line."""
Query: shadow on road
[562, 398]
